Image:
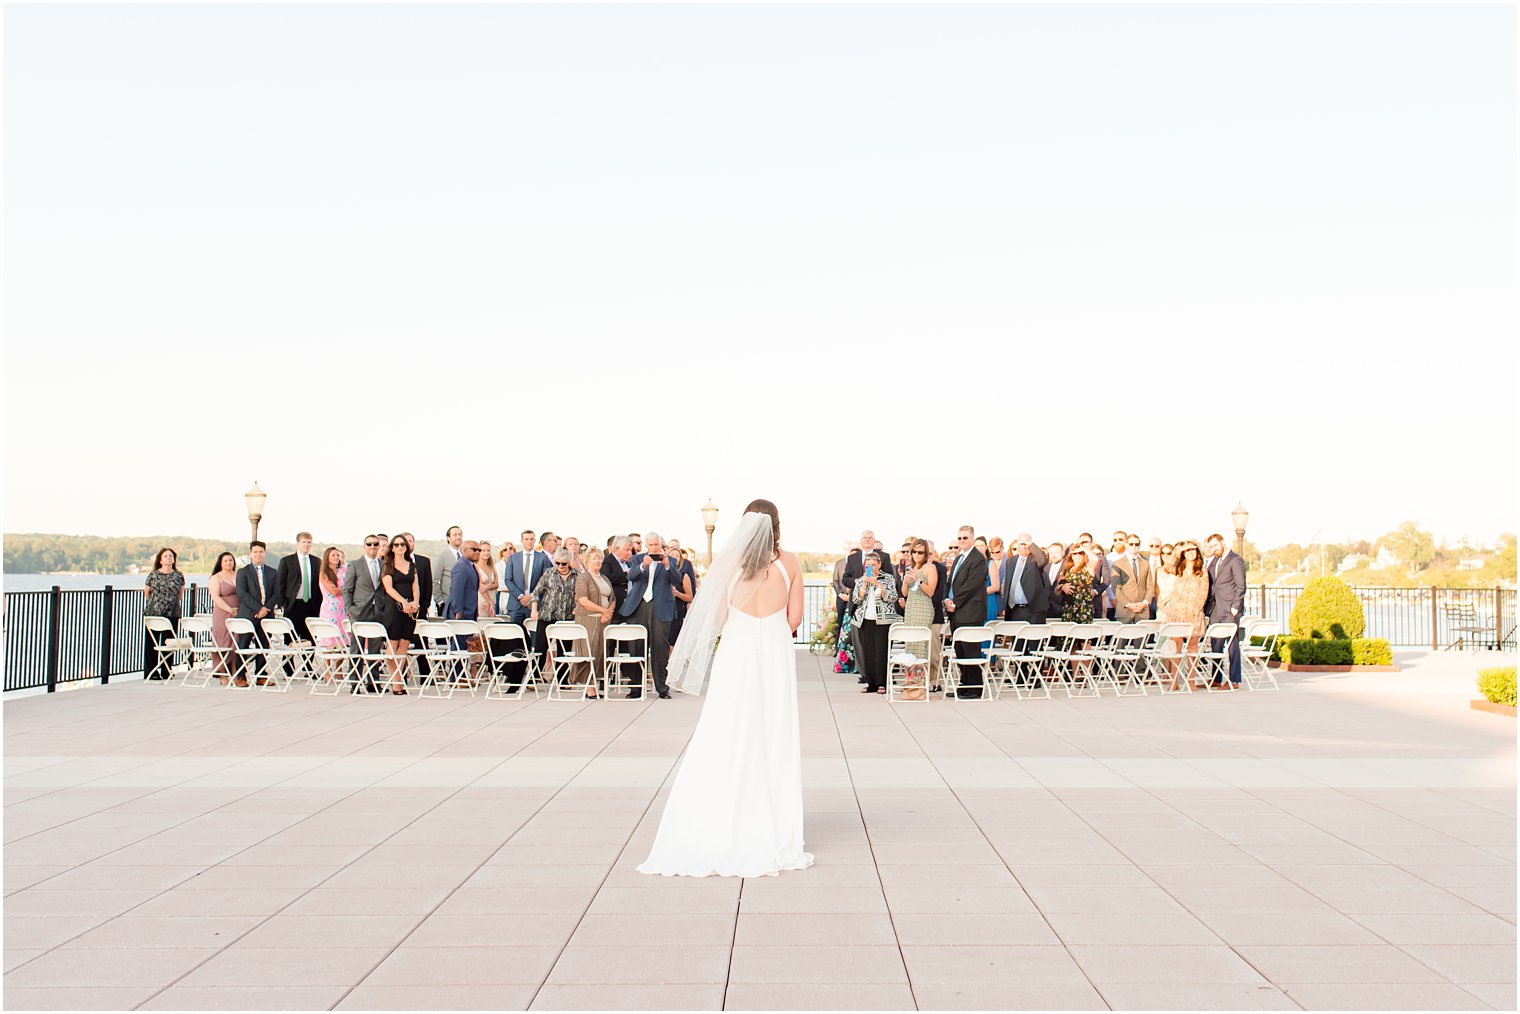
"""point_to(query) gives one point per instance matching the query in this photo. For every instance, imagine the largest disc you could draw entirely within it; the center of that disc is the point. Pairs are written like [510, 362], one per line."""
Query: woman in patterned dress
[1073, 589]
[330, 579]
[1190, 590]
[921, 579]
[162, 593]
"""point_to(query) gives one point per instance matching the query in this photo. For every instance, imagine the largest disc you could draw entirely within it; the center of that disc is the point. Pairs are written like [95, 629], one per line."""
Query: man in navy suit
[652, 604]
[464, 589]
[1227, 598]
[258, 593]
[524, 568]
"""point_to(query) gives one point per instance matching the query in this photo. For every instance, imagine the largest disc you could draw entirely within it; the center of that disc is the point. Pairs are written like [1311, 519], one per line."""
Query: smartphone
[870, 570]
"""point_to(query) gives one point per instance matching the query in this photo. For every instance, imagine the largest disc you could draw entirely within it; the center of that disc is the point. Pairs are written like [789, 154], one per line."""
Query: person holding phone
[875, 600]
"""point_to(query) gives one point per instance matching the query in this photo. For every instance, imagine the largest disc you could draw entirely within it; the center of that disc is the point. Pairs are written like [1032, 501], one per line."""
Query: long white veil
[750, 548]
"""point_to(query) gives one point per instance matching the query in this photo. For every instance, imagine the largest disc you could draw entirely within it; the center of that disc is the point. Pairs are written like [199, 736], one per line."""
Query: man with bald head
[1026, 593]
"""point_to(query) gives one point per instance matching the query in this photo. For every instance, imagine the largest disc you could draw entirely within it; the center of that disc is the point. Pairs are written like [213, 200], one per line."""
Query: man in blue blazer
[652, 605]
[524, 568]
[258, 594]
[463, 602]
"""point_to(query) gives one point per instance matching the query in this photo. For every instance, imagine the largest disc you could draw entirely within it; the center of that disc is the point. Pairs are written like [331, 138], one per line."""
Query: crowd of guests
[539, 580]
[978, 580]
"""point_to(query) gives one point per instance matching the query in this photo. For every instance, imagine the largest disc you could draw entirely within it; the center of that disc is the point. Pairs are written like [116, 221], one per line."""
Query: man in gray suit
[361, 585]
[452, 554]
[1227, 597]
[361, 594]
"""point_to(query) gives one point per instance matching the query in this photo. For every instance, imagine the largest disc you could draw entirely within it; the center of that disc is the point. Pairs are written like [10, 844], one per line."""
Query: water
[83, 582]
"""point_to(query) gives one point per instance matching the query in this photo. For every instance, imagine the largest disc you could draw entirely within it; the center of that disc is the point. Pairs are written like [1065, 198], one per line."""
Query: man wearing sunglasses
[1154, 559]
[1133, 583]
[967, 604]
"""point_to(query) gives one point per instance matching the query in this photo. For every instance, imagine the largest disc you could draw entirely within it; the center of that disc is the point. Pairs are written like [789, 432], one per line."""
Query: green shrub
[1498, 685]
[1327, 608]
[1371, 651]
[1334, 651]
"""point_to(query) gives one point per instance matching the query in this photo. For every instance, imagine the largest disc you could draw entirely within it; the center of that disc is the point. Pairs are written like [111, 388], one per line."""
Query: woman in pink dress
[331, 580]
[485, 568]
[224, 603]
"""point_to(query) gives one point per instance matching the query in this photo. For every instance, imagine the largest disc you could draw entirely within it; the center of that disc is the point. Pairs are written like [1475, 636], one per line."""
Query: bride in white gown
[735, 809]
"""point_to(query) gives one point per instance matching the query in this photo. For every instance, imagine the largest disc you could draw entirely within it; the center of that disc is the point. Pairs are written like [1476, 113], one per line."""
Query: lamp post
[1240, 516]
[254, 499]
[709, 522]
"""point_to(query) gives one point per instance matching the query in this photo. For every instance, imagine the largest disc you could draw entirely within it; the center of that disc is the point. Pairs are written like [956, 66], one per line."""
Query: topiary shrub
[1327, 608]
[1498, 685]
[1371, 651]
[1334, 651]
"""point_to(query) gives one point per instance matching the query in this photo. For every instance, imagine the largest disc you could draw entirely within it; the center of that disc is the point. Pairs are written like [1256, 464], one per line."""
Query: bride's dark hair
[753, 563]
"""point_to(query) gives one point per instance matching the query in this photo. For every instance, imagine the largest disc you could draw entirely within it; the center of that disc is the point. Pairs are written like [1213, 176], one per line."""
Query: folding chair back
[507, 644]
[569, 650]
[907, 673]
[626, 644]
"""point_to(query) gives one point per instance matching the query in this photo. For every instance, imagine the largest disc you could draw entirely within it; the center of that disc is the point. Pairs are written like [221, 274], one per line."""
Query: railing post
[1435, 622]
[1263, 587]
[106, 620]
[1498, 618]
[55, 637]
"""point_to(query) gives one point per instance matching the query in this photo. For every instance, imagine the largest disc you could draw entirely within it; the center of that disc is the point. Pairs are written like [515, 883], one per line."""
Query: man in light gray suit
[452, 554]
[361, 594]
[1227, 597]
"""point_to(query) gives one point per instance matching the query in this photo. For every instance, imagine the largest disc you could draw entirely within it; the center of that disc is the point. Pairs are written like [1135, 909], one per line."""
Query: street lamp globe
[254, 500]
[1240, 516]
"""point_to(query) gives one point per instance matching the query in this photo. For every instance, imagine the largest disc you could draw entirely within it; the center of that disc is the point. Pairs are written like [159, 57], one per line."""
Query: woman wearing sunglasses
[1190, 589]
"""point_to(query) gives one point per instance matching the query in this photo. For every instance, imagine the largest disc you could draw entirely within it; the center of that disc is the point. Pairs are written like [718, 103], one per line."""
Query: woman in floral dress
[1073, 589]
[334, 570]
[162, 593]
[1190, 590]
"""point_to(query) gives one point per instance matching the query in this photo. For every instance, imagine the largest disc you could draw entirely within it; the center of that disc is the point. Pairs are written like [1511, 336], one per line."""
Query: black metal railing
[57, 637]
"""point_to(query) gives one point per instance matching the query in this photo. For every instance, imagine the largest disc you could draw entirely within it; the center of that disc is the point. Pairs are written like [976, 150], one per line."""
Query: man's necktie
[305, 578]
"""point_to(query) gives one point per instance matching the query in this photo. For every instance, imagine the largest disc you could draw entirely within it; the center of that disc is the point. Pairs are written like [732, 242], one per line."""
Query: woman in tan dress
[485, 568]
[593, 605]
[224, 603]
[1190, 590]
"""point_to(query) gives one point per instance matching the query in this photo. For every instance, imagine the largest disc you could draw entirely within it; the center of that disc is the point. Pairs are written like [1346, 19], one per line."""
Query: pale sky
[582, 268]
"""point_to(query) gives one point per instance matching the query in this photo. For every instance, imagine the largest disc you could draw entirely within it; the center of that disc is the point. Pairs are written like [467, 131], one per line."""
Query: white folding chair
[373, 663]
[1003, 634]
[905, 670]
[159, 665]
[626, 644]
[980, 637]
[1082, 675]
[204, 651]
[569, 647]
[1122, 660]
[1167, 661]
[448, 665]
[467, 630]
[330, 662]
[507, 645]
[285, 649]
[1215, 665]
[1255, 668]
[246, 650]
[1026, 666]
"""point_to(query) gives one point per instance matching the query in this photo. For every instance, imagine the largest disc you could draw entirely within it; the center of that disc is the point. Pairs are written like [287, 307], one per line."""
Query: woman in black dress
[399, 610]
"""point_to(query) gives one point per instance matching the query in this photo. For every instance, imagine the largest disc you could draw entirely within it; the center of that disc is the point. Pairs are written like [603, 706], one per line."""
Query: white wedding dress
[735, 809]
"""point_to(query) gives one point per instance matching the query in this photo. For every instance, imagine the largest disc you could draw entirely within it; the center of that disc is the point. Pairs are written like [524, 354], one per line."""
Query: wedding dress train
[735, 809]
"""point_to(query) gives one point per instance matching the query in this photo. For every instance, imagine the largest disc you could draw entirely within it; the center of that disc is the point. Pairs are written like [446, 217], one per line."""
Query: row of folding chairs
[1083, 659]
[441, 663]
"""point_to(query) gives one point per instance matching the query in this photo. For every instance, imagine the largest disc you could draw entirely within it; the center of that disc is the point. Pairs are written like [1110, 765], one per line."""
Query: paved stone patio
[1346, 843]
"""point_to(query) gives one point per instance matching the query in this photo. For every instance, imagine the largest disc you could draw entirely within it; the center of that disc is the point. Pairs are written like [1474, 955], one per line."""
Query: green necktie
[305, 579]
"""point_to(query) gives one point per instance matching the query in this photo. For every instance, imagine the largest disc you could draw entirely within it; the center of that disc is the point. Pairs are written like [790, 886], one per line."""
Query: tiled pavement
[1346, 843]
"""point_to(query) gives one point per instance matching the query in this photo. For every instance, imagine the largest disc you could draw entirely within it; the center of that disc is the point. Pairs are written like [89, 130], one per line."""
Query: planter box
[1498, 709]
[1333, 668]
